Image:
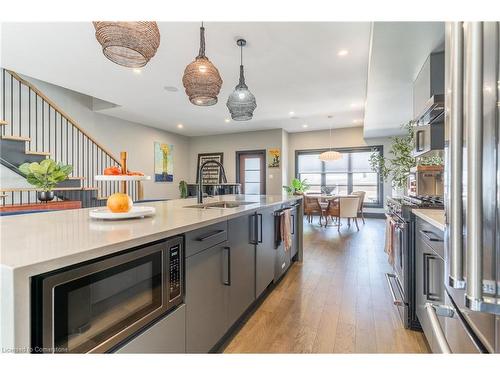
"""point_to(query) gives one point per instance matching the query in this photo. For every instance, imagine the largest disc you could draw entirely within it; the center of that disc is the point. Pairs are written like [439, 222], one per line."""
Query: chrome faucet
[200, 177]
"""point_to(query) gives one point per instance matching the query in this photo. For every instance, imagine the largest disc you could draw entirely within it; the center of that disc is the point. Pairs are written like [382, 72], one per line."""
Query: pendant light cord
[202, 41]
[242, 75]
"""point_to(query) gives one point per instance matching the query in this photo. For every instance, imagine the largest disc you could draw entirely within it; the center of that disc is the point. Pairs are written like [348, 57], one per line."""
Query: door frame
[264, 154]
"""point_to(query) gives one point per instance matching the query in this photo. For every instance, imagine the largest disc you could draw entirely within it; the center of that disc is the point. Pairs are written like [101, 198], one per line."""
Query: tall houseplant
[398, 165]
[45, 176]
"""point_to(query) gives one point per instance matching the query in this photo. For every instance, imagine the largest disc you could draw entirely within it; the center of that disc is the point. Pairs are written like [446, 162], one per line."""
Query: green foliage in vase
[297, 186]
[46, 174]
[183, 189]
[398, 165]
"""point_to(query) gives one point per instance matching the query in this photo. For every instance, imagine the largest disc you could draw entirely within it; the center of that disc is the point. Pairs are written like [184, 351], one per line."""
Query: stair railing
[29, 113]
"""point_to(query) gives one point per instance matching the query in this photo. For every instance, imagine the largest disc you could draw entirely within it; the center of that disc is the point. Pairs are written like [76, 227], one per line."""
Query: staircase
[33, 128]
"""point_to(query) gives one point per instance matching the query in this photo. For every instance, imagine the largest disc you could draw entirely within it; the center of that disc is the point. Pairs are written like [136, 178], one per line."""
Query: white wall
[120, 135]
[346, 137]
[229, 144]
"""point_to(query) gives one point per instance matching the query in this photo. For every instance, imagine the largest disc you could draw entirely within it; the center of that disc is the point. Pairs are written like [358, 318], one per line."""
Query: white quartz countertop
[47, 241]
[434, 217]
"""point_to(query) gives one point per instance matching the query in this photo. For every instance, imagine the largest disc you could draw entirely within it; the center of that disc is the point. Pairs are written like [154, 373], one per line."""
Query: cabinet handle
[211, 235]
[259, 234]
[293, 223]
[227, 266]
[427, 264]
[252, 229]
[426, 233]
[395, 301]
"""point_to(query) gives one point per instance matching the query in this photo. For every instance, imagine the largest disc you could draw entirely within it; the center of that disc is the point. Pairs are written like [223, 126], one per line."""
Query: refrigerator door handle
[436, 328]
[474, 125]
[455, 114]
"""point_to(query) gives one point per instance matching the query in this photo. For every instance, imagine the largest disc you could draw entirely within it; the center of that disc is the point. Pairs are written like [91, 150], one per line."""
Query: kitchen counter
[434, 217]
[36, 243]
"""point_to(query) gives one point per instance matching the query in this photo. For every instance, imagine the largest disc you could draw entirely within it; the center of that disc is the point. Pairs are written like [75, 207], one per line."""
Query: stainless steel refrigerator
[469, 320]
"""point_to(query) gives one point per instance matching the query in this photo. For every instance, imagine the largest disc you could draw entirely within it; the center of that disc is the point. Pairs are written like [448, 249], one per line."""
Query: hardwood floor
[336, 301]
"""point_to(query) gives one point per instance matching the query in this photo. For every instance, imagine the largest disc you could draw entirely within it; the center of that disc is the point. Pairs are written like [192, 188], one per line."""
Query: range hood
[428, 90]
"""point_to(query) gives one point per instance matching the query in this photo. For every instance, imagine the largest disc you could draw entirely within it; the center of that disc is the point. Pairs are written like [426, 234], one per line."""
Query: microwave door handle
[454, 121]
[474, 125]
[436, 328]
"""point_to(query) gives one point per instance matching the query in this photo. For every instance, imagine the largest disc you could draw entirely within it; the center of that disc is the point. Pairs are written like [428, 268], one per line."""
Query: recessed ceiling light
[357, 121]
[227, 120]
[357, 105]
[342, 52]
[137, 70]
[305, 126]
[171, 88]
[180, 126]
[291, 113]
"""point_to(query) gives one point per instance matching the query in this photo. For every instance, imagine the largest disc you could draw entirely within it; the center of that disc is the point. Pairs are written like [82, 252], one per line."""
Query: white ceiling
[289, 66]
[398, 51]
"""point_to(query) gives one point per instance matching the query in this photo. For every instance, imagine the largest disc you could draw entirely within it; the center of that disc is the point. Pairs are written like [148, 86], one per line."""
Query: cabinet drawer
[431, 235]
[206, 237]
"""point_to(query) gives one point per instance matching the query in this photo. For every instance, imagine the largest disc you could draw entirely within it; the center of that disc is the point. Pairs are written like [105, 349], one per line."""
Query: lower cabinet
[241, 291]
[206, 320]
[165, 336]
[264, 250]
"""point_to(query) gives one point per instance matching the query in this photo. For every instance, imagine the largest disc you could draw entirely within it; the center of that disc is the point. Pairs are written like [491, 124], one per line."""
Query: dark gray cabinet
[166, 336]
[206, 279]
[241, 291]
[429, 271]
[264, 250]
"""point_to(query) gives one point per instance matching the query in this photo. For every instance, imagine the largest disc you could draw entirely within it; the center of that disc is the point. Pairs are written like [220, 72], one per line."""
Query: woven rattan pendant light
[201, 78]
[330, 155]
[241, 103]
[130, 44]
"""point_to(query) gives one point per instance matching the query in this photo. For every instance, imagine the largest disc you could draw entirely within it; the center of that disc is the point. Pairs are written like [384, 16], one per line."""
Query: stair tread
[3, 122]
[15, 138]
[56, 189]
[41, 153]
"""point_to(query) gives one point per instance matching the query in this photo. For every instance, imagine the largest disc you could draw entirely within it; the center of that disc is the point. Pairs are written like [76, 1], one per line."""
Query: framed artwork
[211, 173]
[164, 162]
[274, 157]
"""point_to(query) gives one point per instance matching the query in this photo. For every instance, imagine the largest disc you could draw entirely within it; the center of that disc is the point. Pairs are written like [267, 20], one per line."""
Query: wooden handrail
[61, 112]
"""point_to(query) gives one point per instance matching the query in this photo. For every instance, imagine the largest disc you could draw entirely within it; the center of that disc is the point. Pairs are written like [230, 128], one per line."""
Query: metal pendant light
[129, 44]
[241, 103]
[330, 155]
[201, 78]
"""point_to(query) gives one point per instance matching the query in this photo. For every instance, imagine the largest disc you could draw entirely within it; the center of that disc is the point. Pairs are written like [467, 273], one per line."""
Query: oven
[397, 280]
[97, 305]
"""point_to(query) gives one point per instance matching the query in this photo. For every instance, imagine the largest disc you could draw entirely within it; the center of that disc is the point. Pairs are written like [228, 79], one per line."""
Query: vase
[45, 196]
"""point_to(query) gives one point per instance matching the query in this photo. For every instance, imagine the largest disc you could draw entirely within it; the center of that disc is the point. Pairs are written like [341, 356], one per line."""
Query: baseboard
[374, 215]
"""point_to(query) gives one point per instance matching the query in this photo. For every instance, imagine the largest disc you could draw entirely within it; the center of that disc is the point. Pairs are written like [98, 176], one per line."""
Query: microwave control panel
[175, 272]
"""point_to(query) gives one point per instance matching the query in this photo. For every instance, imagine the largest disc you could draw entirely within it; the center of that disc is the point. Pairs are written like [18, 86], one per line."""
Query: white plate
[102, 177]
[136, 211]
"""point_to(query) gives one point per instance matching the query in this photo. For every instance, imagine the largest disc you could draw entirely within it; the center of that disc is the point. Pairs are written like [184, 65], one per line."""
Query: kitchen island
[42, 243]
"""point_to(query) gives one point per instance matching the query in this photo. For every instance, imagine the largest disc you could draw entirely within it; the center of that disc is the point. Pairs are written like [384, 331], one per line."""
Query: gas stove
[402, 206]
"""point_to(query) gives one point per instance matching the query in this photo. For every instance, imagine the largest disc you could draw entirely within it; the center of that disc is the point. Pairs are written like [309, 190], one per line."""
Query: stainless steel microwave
[426, 181]
[97, 305]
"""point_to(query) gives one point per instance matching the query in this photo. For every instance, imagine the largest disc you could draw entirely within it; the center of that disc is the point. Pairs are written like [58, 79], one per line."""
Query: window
[351, 173]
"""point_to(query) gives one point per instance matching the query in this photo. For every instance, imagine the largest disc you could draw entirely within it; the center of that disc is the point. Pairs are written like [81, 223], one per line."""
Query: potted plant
[45, 176]
[183, 189]
[397, 166]
[297, 187]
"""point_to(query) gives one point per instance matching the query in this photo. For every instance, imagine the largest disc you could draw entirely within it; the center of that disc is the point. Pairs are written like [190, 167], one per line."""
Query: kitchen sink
[221, 204]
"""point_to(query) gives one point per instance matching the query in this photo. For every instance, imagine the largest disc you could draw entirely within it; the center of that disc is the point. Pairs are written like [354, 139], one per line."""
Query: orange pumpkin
[119, 202]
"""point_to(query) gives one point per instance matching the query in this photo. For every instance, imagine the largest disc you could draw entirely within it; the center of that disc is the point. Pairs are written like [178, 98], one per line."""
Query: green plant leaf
[25, 169]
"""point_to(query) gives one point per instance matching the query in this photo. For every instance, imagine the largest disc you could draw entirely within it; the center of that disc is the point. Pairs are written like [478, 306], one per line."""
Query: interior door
[251, 171]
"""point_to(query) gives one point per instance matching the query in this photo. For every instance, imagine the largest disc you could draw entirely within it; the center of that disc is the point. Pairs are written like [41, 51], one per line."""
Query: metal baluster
[73, 147]
[49, 134]
[11, 105]
[43, 123]
[67, 140]
[36, 121]
[29, 118]
[3, 101]
[88, 162]
[20, 107]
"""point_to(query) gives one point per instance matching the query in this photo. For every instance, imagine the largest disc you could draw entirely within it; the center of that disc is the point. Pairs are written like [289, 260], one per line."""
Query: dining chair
[361, 195]
[347, 207]
[332, 210]
[312, 206]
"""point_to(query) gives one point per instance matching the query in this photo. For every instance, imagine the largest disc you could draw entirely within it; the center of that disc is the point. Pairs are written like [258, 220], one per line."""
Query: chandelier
[330, 155]
[241, 103]
[129, 44]
[201, 78]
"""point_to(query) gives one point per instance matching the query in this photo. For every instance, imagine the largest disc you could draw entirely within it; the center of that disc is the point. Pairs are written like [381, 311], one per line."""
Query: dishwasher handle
[395, 301]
